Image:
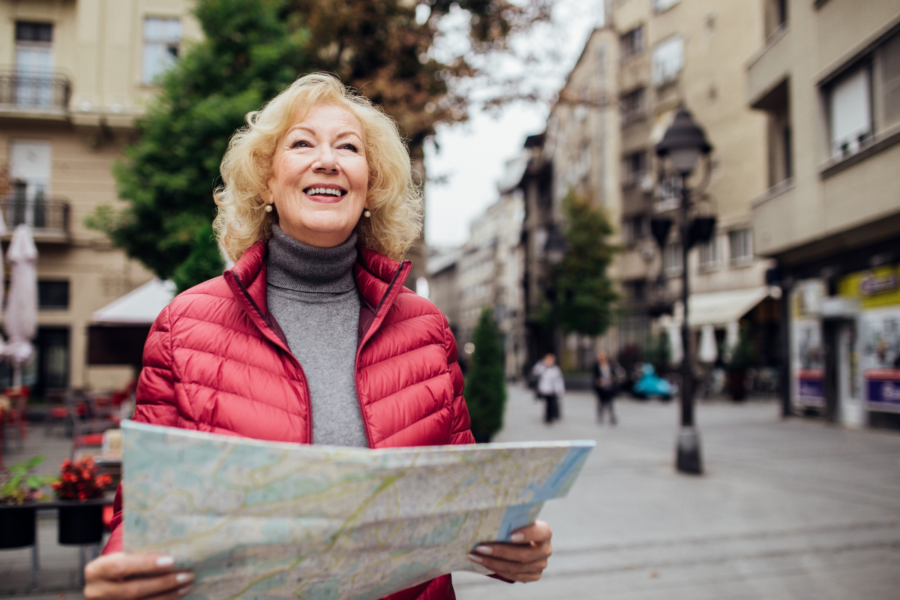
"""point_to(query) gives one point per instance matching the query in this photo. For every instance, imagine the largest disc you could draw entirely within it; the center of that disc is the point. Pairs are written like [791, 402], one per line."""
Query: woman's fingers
[524, 559]
[119, 565]
[122, 576]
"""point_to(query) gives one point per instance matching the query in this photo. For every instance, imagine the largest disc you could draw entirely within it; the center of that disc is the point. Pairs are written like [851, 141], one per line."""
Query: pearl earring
[268, 208]
[367, 213]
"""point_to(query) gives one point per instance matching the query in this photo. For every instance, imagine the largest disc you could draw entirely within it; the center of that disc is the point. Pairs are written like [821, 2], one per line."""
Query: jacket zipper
[266, 328]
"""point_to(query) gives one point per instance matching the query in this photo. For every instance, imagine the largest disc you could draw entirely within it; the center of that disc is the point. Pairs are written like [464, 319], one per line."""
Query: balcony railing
[48, 217]
[34, 90]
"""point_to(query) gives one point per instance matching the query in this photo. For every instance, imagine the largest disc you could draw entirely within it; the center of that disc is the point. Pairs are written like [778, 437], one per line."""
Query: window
[161, 40]
[709, 254]
[672, 262]
[850, 114]
[634, 229]
[53, 295]
[631, 42]
[634, 167]
[29, 174]
[775, 15]
[668, 58]
[636, 290]
[34, 60]
[741, 242]
[632, 105]
[889, 68]
[661, 5]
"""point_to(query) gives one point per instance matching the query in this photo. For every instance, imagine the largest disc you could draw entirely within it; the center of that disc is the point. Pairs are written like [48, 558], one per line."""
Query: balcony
[22, 91]
[48, 218]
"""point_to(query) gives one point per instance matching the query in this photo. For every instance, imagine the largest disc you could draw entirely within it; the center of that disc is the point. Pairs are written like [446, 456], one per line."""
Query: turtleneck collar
[295, 266]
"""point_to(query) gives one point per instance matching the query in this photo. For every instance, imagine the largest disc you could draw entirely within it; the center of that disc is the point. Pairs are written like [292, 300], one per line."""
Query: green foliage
[658, 351]
[252, 50]
[18, 484]
[743, 355]
[586, 295]
[485, 382]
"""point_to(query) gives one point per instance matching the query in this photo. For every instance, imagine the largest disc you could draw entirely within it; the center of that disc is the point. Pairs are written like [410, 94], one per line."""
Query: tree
[485, 382]
[584, 292]
[252, 50]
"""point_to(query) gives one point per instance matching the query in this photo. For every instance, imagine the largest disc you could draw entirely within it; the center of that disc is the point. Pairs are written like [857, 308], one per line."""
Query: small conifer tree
[485, 383]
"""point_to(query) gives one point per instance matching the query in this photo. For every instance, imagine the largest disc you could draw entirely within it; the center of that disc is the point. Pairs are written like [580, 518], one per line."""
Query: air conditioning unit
[647, 183]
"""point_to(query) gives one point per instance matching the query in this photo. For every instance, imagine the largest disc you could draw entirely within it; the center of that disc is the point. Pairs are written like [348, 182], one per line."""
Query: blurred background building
[828, 81]
[75, 77]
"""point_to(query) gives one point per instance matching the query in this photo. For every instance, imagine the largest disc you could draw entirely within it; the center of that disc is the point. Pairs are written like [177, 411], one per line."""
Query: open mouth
[325, 192]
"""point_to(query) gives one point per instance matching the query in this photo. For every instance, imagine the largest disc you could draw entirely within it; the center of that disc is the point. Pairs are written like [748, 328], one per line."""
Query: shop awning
[118, 331]
[138, 307]
[719, 308]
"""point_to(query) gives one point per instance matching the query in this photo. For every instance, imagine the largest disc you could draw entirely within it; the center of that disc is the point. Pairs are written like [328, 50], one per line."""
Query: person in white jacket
[550, 387]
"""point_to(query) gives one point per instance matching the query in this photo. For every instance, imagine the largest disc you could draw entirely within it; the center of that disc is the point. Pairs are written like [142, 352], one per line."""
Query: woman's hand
[121, 576]
[523, 560]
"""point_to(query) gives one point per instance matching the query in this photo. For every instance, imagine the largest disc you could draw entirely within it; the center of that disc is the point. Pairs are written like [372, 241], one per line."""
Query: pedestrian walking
[606, 385]
[550, 387]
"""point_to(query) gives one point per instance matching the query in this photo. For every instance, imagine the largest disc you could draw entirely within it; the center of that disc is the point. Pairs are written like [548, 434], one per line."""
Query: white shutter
[851, 112]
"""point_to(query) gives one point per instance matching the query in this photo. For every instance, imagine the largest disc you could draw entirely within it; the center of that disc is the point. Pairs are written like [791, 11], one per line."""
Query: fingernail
[475, 559]
[517, 537]
[484, 550]
[185, 590]
[184, 577]
[165, 561]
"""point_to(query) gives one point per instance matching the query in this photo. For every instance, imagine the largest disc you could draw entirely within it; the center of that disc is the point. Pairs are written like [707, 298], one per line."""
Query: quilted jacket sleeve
[156, 403]
[460, 434]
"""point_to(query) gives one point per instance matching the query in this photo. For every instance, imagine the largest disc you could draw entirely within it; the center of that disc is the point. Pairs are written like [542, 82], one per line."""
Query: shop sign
[875, 288]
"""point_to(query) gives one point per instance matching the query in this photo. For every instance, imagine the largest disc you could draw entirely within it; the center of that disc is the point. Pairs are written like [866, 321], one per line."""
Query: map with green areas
[267, 520]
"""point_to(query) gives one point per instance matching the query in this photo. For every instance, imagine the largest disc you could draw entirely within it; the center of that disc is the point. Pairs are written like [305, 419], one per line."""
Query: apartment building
[827, 79]
[75, 76]
[487, 272]
[581, 149]
[691, 53]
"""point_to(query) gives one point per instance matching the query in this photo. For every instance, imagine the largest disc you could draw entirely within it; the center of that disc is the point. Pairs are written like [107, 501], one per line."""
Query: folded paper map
[276, 520]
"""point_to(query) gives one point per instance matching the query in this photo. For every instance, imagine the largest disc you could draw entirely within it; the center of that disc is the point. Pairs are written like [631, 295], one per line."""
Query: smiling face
[320, 177]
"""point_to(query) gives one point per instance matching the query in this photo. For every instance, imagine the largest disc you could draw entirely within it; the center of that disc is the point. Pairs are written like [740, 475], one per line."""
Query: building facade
[691, 53]
[827, 79]
[76, 76]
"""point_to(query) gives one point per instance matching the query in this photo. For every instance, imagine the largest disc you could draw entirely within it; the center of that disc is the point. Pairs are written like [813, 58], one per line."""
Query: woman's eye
[300, 144]
[350, 147]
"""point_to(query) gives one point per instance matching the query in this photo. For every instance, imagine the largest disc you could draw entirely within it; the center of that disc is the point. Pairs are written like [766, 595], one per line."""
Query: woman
[550, 387]
[606, 376]
[317, 207]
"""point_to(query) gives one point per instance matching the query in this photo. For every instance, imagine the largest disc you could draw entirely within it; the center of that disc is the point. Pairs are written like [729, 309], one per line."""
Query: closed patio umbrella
[708, 353]
[21, 306]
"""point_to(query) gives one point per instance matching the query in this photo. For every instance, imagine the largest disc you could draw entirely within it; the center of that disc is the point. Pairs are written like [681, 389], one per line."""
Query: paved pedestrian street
[785, 509]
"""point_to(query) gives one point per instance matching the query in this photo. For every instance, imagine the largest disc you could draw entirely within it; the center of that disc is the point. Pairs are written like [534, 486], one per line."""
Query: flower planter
[17, 526]
[80, 523]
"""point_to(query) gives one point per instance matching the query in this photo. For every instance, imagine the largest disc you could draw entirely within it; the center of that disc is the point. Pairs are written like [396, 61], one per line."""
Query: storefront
[845, 348]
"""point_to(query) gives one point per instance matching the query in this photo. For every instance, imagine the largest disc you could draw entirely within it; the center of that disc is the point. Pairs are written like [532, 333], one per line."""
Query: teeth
[326, 191]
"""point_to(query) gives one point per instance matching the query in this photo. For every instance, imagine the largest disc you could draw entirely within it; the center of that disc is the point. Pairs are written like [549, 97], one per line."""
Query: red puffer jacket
[216, 361]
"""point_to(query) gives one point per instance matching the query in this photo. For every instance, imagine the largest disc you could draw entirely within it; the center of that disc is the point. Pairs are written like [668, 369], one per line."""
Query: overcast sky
[472, 155]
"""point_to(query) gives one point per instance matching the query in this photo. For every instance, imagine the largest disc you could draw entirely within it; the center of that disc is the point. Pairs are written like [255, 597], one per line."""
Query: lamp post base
[688, 458]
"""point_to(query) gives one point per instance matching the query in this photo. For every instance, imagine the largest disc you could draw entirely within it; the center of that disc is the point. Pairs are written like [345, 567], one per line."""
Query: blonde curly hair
[393, 198]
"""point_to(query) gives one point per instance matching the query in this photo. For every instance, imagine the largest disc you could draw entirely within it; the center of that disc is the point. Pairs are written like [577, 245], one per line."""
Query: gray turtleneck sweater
[313, 296]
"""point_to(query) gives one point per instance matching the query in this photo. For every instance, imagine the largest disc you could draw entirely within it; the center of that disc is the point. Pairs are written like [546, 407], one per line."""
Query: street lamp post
[682, 146]
[555, 250]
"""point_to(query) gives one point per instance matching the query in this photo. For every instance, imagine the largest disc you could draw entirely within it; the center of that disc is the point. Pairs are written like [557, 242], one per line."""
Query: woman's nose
[325, 160]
